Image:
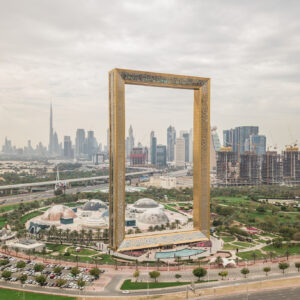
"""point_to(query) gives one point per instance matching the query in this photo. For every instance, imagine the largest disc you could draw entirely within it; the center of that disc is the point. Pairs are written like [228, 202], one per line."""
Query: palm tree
[287, 254]
[254, 256]
[82, 234]
[60, 231]
[4, 247]
[67, 233]
[89, 236]
[271, 255]
[98, 235]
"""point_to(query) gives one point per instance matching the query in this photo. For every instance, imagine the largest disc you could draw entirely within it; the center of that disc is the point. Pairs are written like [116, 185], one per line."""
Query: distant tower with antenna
[51, 144]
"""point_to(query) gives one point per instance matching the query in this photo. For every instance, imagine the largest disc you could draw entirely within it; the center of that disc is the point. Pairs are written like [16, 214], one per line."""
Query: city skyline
[47, 59]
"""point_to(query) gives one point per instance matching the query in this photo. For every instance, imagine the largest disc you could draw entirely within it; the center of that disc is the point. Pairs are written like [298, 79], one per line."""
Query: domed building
[57, 212]
[145, 203]
[94, 205]
[153, 217]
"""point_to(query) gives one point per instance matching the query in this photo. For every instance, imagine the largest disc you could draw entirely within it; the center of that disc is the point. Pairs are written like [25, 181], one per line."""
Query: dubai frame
[201, 128]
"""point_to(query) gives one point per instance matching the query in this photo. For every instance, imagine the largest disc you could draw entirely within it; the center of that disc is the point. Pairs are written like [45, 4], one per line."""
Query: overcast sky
[63, 50]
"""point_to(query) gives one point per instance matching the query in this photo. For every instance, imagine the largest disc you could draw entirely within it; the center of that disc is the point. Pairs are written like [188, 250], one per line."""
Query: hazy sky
[62, 51]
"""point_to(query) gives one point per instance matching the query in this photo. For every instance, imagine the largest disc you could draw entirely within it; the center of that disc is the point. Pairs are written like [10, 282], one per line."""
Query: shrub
[154, 275]
[266, 270]
[199, 272]
[41, 279]
[95, 272]
[23, 278]
[21, 264]
[245, 271]
[283, 266]
[6, 274]
[39, 267]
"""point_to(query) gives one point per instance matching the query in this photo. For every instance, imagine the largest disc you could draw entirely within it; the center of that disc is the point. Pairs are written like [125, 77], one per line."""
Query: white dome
[153, 217]
[56, 212]
[94, 204]
[145, 203]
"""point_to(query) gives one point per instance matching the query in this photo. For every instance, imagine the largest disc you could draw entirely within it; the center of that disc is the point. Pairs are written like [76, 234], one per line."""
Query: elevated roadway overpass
[70, 181]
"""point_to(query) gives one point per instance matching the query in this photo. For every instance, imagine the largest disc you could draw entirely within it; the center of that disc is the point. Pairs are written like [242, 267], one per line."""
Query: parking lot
[70, 280]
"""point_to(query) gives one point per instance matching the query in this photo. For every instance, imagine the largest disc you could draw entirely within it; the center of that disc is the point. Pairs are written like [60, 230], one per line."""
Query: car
[125, 292]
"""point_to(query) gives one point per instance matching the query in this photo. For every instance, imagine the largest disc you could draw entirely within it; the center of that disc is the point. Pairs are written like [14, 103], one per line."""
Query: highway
[46, 194]
[14, 199]
[68, 181]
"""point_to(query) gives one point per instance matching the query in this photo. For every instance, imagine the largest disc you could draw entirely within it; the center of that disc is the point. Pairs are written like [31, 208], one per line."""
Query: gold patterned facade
[201, 178]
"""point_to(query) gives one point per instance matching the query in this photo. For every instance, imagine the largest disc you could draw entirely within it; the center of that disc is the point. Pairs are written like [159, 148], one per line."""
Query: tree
[21, 264]
[4, 247]
[254, 256]
[245, 271]
[136, 274]
[177, 276]
[39, 267]
[57, 270]
[4, 262]
[199, 272]
[23, 278]
[283, 266]
[80, 283]
[95, 272]
[17, 250]
[219, 261]
[287, 254]
[223, 274]
[60, 282]
[41, 279]
[154, 275]
[266, 270]
[75, 271]
[6, 274]
[297, 265]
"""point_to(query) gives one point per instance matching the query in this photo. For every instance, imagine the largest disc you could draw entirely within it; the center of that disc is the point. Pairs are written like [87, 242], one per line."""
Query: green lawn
[106, 258]
[3, 221]
[229, 247]
[295, 249]
[227, 239]
[170, 208]
[82, 252]
[17, 295]
[29, 216]
[8, 207]
[249, 255]
[56, 247]
[243, 244]
[129, 285]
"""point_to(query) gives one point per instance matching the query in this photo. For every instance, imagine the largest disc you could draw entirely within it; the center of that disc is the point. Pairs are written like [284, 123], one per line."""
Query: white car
[125, 292]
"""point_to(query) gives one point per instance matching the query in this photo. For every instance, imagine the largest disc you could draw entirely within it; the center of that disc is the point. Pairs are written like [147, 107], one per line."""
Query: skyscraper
[91, 144]
[256, 144]
[186, 137]
[129, 143]
[180, 151]
[68, 151]
[50, 148]
[79, 142]
[236, 137]
[161, 156]
[171, 137]
[153, 143]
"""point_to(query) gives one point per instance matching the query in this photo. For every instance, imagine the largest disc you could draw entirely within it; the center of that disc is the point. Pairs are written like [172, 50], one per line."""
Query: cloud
[62, 51]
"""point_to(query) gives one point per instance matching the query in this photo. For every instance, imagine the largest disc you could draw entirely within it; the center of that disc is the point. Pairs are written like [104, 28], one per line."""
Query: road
[292, 293]
[46, 194]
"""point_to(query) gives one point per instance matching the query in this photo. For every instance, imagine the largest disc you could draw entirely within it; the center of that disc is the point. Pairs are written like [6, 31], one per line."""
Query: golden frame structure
[201, 128]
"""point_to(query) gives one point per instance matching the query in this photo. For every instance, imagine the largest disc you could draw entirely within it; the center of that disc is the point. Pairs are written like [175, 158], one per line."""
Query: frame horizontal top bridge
[160, 79]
